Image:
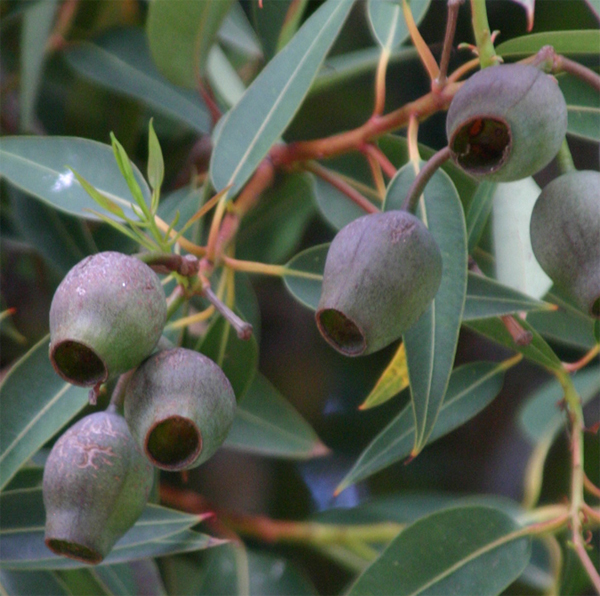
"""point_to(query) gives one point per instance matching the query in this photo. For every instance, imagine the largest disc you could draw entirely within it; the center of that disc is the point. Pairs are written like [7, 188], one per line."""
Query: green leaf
[236, 571]
[537, 351]
[238, 358]
[470, 389]
[224, 79]
[464, 550]
[32, 583]
[431, 343]
[387, 20]
[267, 424]
[488, 298]
[22, 533]
[41, 167]
[393, 380]
[156, 164]
[540, 415]
[120, 60]
[479, 212]
[305, 275]
[236, 32]
[37, 25]
[516, 265]
[568, 325]
[36, 403]
[583, 107]
[271, 231]
[180, 35]
[29, 476]
[585, 41]
[269, 104]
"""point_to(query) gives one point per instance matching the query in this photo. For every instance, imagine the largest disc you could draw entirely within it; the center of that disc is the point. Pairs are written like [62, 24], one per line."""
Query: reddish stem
[376, 153]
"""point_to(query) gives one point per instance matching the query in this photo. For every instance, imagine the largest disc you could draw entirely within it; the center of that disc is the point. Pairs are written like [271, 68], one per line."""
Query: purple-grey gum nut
[180, 407]
[96, 485]
[506, 122]
[565, 236]
[106, 316]
[381, 273]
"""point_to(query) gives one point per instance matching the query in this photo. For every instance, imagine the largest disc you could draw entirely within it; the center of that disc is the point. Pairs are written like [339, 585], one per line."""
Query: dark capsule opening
[74, 550]
[595, 309]
[341, 332]
[481, 145]
[77, 363]
[173, 443]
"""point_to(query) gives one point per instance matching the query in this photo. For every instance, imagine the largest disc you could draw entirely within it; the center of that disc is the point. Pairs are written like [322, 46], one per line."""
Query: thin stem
[384, 59]
[582, 72]
[427, 171]
[242, 328]
[591, 487]
[591, 513]
[453, 7]
[168, 262]
[520, 336]
[184, 243]
[254, 267]
[412, 138]
[214, 229]
[377, 176]
[463, 70]
[191, 319]
[389, 169]
[481, 31]
[579, 364]
[425, 106]
[118, 395]
[564, 159]
[341, 185]
[422, 48]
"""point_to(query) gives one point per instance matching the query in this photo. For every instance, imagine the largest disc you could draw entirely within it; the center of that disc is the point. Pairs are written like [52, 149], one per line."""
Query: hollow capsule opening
[74, 550]
[173, 443]
[481, 145]
[341, 332]
[77, 363]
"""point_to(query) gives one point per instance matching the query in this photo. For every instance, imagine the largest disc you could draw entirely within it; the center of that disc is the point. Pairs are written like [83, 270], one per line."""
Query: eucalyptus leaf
[392, 381]
[269, 104]
[540, 415]
[32, 583]
[479, 212]
[36, 404]
[237, 33]
[37, 25]
[42, 166]
[305, 275]
[470, 389]
[537, 350]
[583, 107]
[180, 35]
[463, 550]
[585, 41]
[488, 298]
[431, 342]
[120, 60]
[267, 424]
[387, 20]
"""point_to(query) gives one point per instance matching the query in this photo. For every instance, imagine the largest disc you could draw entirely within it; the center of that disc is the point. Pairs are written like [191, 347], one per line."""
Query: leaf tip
[320, 450]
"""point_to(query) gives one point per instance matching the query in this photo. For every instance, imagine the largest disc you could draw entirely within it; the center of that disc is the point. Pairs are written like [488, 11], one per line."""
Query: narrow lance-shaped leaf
[17, 583]
[303, 275]
[267, 424]
[488, 298]
[269, 104]
[471, 388]
[431, 342]
[584, 41]
[479, 211]
[537, 350]
[393, 380]
[180, 35]
[583, 108]
[36, 403]
[387, 20]
[42, 166]
[120, 60]
[464, 550]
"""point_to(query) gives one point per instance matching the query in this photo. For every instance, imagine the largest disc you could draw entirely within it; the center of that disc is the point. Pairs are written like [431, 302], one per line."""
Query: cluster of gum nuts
[382, 271]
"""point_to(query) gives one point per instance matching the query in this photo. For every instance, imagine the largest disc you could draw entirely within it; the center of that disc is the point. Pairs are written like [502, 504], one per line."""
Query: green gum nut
[565, 236]
[179, 406]
[382, 272]
[506, 122]
[106, 317]
[96, 485]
